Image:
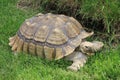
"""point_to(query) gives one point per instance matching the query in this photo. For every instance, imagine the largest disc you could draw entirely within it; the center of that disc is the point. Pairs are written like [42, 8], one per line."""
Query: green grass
[104, 65]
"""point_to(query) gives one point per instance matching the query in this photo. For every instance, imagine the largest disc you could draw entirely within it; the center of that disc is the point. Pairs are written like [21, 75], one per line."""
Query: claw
[72, 68]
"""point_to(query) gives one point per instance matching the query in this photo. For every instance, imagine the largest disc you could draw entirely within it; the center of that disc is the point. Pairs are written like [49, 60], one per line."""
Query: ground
[105, 65]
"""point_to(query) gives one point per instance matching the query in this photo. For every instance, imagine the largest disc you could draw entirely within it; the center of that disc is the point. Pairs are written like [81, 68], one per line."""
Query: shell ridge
[36, 30]
[28, 20]
[50, 30]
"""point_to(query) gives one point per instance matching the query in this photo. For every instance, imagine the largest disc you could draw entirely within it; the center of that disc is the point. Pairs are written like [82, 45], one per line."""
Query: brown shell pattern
[49, 36]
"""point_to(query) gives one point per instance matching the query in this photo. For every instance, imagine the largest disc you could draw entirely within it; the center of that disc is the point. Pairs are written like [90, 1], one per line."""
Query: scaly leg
[78, 58]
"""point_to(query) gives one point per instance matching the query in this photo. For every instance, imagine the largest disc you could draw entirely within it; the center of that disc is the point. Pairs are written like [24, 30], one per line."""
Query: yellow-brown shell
[49, 36]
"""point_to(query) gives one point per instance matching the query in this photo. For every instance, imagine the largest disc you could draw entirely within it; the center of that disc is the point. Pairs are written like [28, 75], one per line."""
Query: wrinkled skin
[79, 58]
[90, 47]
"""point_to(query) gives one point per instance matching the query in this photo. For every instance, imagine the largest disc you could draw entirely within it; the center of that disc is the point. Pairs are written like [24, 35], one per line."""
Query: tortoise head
[91, 47]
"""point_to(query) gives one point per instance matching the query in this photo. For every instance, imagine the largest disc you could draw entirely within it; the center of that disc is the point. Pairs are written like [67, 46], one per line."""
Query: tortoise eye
[86, 47]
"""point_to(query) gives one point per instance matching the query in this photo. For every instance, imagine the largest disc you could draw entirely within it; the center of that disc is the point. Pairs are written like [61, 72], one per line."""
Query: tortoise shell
[49, 36]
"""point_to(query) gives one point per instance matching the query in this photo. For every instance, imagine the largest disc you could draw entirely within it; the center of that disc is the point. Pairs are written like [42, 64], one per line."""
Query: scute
[41, 33]
[59, 21]
[72, 30]
[40, 51]
[57, 37]
[75, 42]
[27, 26]
[73, 20]
[68, 50]
[25, 47]
[49, 52]
[32, 48]
[59, 53]
[29, 33]
[23, 28]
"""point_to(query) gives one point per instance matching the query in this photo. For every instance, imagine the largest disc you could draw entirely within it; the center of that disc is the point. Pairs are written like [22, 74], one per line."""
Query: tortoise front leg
[78, 58]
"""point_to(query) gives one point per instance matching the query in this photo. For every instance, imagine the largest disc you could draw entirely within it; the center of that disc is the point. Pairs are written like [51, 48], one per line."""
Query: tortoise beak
[97, 45]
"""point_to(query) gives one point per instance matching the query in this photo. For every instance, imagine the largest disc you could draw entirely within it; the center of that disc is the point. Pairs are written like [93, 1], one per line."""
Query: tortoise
[55, 36]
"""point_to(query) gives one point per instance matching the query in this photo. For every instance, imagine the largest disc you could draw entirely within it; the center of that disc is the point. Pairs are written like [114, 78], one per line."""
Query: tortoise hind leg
[15, 43]
[12, 40]
[78, 58]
